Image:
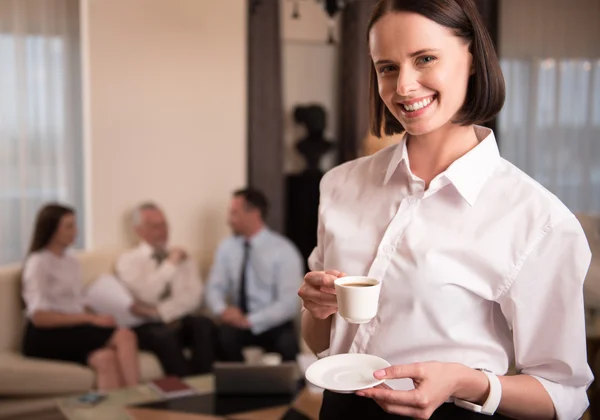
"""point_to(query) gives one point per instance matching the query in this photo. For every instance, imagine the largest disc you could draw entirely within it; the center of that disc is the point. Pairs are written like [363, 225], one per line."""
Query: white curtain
[40, 115]
[550, 126]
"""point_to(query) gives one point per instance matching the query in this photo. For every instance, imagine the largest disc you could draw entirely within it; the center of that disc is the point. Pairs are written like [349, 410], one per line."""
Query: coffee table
[118, 406]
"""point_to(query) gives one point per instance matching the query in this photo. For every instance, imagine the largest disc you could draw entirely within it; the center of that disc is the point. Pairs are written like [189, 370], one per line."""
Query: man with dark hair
[252, 288]
[254, 198]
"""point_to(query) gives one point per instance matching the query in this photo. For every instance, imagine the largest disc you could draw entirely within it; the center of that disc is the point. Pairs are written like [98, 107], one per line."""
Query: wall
[549, 28]
[165, 115]
[309, 74]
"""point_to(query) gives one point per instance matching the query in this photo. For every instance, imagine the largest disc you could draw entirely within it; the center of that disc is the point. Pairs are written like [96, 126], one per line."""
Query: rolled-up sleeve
[316, 260]
[317, 257]
[543, 305]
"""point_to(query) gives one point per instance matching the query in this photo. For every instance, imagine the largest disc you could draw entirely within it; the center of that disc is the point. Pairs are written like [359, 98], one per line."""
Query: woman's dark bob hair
[485, 90]
[46, 224]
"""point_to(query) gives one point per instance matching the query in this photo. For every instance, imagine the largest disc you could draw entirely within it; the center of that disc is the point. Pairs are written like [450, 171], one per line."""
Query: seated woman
[59, 326]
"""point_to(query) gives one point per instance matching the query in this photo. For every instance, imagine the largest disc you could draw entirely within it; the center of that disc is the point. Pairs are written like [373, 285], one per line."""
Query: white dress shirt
[274, 273]
[484, 268]
[52, 283]
[175, 290]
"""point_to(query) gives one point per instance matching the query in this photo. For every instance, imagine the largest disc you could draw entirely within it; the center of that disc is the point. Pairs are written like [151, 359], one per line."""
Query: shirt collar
[400, 154]
[469, 173]
[145, 248]
[257, 238]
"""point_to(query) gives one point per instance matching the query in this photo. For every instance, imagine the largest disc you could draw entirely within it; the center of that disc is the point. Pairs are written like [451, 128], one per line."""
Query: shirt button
[388, 249]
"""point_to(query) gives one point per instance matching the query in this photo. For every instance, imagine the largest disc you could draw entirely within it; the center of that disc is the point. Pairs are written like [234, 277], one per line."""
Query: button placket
[385, 253]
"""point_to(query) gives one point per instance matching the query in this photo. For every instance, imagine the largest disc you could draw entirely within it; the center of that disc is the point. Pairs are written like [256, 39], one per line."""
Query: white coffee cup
[357, 298]
[252, 355]
[271, 359]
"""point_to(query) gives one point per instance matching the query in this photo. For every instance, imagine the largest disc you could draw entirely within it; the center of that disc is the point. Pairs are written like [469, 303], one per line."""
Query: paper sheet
[108, 296]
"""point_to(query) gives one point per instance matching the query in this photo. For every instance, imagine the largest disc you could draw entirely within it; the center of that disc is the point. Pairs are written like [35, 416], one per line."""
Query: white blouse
[52, 283]
[484, 268]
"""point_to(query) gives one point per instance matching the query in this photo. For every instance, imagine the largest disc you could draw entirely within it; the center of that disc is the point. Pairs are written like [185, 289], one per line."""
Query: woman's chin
[418, 129]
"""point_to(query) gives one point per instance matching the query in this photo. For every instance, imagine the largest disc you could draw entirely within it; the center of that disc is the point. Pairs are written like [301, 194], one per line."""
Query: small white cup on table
[271, 359]
[252, 355]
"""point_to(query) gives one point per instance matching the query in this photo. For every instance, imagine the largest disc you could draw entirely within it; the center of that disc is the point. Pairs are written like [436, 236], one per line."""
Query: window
[550, 126]
[40, 116]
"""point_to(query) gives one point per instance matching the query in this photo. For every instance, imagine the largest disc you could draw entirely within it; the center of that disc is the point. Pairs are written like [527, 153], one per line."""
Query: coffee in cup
[358, 285]
[357, 298]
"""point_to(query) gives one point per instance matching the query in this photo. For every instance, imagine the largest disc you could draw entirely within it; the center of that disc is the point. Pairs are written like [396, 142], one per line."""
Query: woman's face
[422, 69]
[66, 232]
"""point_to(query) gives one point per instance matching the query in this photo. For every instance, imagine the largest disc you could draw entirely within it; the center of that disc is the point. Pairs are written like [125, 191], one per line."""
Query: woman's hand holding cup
[318, 293]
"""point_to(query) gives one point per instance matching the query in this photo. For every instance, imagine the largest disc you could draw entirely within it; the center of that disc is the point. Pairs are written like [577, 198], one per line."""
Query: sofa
[29, 388]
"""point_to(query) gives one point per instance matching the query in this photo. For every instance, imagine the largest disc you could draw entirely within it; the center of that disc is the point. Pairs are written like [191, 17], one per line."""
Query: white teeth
[418, 105]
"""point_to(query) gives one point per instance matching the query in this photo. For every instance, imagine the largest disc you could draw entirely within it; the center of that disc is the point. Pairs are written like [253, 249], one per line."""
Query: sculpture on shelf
[314, 146]
[331, 8]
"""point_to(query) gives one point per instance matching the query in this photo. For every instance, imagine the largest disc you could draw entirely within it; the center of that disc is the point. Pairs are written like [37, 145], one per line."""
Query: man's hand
[234, 317]
[177, 255]
[144, 310]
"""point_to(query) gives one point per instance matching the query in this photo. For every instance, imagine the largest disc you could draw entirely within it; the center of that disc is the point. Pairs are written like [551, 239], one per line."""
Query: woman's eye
[427, 59]
[386, 69]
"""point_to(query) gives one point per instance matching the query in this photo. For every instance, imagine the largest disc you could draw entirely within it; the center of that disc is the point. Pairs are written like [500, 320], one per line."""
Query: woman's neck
[431, 154]
[56, 249]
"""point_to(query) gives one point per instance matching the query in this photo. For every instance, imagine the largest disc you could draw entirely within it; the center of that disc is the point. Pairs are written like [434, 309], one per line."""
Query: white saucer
[346, 373]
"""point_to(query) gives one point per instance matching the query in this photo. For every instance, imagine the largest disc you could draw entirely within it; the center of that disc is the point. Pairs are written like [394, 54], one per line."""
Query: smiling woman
[59, 326]
[480, 266]
[448, 49]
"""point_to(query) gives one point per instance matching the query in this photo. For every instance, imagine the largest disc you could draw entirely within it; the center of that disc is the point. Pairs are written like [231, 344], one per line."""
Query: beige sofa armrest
[22, 376]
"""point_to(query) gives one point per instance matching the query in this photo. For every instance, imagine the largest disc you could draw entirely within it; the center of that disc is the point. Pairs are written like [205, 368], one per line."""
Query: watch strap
[493, 400]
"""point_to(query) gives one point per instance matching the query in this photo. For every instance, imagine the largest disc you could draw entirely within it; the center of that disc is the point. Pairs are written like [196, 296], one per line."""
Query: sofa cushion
[22, 376]
[34, 408]
[96, 263]
[150, 368]
[11, 308]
